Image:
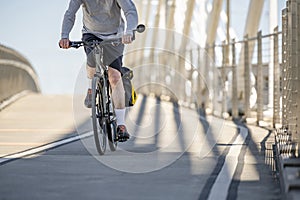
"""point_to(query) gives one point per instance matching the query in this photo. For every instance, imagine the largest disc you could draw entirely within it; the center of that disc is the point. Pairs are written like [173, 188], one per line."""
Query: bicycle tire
[98, 119]
[111, 133]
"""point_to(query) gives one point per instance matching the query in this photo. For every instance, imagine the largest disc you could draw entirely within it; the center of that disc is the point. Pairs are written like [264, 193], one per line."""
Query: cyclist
[102, 19]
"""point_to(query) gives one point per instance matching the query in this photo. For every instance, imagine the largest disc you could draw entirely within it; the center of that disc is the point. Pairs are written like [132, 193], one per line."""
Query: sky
[32, 27]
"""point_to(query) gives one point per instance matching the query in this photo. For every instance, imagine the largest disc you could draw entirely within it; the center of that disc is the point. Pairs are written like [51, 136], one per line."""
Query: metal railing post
[223, 71]
[259, 79]
[215, 79]
[206, 81]
[284, 66]
[191, 99]
[247, 77]
[235, 112]
[288, 70]
[199, 81]
[276, 98]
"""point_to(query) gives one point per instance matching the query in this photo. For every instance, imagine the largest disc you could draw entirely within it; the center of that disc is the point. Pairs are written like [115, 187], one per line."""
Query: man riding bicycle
[101, 20]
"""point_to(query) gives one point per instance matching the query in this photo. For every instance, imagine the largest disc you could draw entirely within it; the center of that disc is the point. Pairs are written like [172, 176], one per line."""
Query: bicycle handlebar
[115, 41]
[77, 44]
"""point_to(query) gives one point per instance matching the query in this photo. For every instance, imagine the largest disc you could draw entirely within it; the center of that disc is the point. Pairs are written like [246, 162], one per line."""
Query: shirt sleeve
[69, 17]
[130, 13]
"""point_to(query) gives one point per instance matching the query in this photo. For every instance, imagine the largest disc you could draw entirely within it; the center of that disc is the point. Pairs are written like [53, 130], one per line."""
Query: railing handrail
[17, 74]
[243, 41]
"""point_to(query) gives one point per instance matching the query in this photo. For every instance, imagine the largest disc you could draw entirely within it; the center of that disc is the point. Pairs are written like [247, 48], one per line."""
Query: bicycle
[103, 115]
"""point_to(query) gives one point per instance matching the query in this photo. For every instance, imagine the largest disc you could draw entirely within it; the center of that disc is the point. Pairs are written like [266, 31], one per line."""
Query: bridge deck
[173, 153]
[35, 120]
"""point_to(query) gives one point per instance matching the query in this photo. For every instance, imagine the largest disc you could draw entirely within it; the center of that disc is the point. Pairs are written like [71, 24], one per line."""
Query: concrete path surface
[35, 120]
[173, 153]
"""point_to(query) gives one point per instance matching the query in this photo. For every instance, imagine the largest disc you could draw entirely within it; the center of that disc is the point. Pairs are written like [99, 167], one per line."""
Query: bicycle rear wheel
[98, 119]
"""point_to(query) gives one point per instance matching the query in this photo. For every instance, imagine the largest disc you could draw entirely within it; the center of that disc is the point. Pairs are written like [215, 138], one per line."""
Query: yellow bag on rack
[130, 94]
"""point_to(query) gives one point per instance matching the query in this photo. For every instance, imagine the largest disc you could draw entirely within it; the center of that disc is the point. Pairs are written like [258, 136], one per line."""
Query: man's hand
[127, 39]
[64, 43]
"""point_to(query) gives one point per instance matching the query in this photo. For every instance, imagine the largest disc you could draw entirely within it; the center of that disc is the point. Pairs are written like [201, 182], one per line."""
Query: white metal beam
[213, 21]
[251, 29]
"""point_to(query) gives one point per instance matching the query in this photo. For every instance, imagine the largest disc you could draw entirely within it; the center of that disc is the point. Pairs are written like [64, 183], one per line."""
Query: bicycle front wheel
[98, 118]
[112, 135]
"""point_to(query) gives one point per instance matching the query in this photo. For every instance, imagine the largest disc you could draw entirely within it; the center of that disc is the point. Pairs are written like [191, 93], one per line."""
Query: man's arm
[130, 13]
[69, 18]
[68, 22]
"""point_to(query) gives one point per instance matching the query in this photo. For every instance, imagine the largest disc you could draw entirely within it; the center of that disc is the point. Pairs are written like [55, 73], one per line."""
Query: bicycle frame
[107, 119]
[102, 73]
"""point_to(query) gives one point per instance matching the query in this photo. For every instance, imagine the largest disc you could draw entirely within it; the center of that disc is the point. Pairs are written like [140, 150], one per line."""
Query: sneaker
[88, 99]
[123, 135]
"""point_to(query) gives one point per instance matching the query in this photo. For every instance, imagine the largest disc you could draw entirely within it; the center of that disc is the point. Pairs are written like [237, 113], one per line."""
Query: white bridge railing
[256, 78]
[16, 75]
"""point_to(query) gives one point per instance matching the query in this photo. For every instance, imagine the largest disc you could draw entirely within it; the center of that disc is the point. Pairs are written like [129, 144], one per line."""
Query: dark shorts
[112, 55]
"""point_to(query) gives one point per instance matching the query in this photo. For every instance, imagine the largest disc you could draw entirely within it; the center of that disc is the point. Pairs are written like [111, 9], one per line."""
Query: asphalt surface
[173, 153]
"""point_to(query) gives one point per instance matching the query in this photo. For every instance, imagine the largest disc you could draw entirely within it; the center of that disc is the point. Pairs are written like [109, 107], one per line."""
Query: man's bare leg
[90, 74]
[118, 92]
[118, 96]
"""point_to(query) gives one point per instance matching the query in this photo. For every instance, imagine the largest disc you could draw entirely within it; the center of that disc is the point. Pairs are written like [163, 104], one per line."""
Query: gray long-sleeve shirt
[101, 17]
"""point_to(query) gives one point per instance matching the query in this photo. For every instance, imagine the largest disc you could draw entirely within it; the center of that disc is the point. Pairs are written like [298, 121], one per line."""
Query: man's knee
[90, 71]
[114, 77]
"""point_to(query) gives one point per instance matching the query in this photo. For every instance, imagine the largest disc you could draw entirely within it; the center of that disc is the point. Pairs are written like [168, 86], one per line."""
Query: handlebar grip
[75, 44]
[71, 44]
